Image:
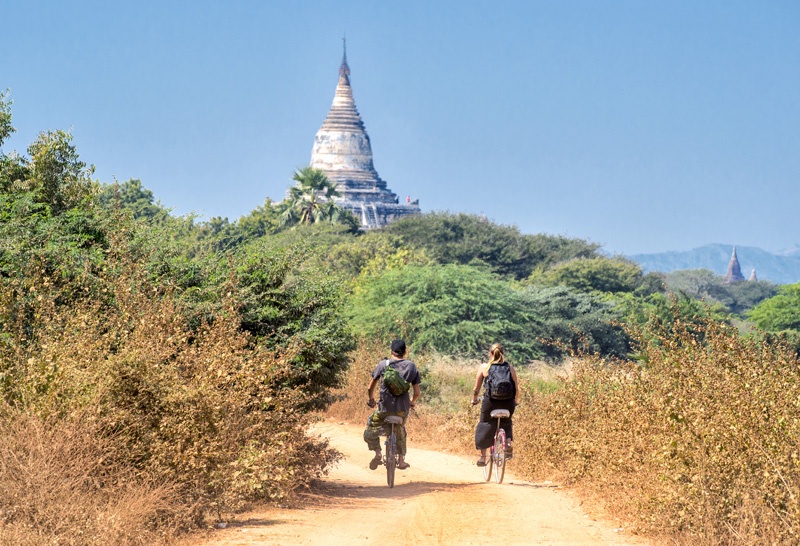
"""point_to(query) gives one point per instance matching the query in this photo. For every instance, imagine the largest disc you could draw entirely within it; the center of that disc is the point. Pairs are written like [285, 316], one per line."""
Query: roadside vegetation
[158, 373]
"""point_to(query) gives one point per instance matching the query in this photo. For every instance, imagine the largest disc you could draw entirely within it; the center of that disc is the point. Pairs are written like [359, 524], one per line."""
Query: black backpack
[499, 383]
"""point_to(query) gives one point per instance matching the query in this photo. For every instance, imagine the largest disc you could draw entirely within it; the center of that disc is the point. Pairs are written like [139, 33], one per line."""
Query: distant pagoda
[343, 151]
[734, 273]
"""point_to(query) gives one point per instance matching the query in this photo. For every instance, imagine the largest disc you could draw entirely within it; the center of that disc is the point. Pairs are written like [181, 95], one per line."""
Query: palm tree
[311, 199]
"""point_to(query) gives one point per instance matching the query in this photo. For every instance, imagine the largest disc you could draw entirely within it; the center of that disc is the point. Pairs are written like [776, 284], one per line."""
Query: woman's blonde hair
[496, 353]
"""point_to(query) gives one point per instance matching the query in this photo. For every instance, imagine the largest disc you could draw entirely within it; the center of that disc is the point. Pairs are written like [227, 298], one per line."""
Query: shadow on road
[350, 490]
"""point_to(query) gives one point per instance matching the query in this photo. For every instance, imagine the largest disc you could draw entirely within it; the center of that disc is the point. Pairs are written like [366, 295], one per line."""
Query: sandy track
[441, 499]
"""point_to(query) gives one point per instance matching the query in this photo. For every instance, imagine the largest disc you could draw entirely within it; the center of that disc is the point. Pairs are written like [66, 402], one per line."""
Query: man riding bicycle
[390, 404]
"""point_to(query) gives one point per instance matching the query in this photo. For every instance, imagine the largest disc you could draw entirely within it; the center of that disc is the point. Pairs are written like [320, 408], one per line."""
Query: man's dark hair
[399, 347]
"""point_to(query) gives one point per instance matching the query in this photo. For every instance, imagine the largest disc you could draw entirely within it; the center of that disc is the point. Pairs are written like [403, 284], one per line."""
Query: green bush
[471, 240]
[780, 312]
[452, 309]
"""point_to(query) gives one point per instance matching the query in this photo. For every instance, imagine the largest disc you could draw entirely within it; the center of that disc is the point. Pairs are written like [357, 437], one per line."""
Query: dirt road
[441, 499]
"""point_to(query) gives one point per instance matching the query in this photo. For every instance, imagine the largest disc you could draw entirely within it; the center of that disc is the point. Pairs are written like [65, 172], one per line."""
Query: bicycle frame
[497, 454]
[390, 461]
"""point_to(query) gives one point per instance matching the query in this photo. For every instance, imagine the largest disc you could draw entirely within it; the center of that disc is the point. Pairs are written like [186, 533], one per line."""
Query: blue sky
[644, 126]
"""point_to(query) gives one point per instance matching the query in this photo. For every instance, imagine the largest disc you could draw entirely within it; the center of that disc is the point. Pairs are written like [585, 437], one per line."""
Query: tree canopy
[780, 312]
[472, 240]
[311, 200]
[599, 274]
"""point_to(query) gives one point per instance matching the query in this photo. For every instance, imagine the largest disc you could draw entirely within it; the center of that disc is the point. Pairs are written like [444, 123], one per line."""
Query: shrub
[62, 481]
[452, 309]
[466, 239]
[203, 408]
[700, 442]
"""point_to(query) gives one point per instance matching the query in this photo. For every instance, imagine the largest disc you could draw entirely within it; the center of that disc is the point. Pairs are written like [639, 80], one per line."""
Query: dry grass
[444, 385]
[61, 483]
[698, 445]
[120, 424]
[445, 418]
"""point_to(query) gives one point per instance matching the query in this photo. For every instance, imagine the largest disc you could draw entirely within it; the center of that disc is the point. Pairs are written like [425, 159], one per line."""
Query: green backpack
[394, 381]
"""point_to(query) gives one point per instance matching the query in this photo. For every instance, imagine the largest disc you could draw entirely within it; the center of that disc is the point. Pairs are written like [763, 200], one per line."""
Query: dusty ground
[441, 499]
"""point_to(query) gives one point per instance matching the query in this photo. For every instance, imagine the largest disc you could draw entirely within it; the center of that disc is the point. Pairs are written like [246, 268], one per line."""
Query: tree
[703, 284]
[263, 220]
[6, 129]
[295, 310]
[780, 312]
[601, 274]
[47, 219]
[57, 175]
[134, 197]
[460, 310]
[472, 240]
[571, 320]
[661, 315]
[311, 200]
[453, 309]
[747, 295]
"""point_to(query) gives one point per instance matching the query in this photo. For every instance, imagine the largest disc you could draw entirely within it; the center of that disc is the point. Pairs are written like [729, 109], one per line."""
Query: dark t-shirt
[389, 402]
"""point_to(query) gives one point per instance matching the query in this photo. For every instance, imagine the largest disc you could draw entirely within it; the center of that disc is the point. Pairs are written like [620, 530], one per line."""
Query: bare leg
[401, 462]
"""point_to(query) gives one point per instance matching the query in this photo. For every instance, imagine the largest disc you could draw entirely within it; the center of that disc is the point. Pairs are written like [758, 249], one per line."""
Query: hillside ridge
[781, 268]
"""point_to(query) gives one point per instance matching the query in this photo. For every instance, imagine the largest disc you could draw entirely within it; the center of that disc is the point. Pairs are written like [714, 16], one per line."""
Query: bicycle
[497, 455]
[390, 460]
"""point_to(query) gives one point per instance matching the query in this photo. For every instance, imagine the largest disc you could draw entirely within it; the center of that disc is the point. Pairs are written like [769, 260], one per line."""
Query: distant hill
[780, 268]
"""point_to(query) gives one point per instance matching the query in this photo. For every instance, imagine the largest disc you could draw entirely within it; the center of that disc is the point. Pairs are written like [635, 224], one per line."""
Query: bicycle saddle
[502, 413]
[395, 419]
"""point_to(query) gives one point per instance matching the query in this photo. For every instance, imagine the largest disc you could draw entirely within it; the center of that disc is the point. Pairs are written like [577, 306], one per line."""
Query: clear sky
[642, 125]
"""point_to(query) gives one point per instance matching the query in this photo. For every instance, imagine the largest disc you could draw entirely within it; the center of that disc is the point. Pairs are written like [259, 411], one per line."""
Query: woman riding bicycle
[501, 392]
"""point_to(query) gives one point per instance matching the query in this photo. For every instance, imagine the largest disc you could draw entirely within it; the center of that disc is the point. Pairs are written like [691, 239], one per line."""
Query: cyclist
[390, 404]
[501, 392]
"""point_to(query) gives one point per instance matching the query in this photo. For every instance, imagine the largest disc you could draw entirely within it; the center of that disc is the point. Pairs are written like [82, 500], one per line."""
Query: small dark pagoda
[734, 273]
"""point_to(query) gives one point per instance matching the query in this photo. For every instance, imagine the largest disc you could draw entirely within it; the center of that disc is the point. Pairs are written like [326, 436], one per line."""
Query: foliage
[133, 197]
[780, 312]
[295, 309]
[599, 274]
[746, 295]
[453, 309]
[311, 200]
[703, 284]
[69, 244]
[57, 176]
[662, 315]
[6, 129]
[198, 367]
[201, 408]
[698, 445]
[471, 240]
[371, 252]
[570, 321]
[261, 221]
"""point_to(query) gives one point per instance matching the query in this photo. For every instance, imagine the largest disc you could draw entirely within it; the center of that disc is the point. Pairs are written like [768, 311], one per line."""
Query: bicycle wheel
[487, 470]
[500, 455]
[391, 458]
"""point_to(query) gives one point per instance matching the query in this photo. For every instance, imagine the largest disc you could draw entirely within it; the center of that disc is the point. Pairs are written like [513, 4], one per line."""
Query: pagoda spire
[344, 68]
[343, 151]
[734, 273]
